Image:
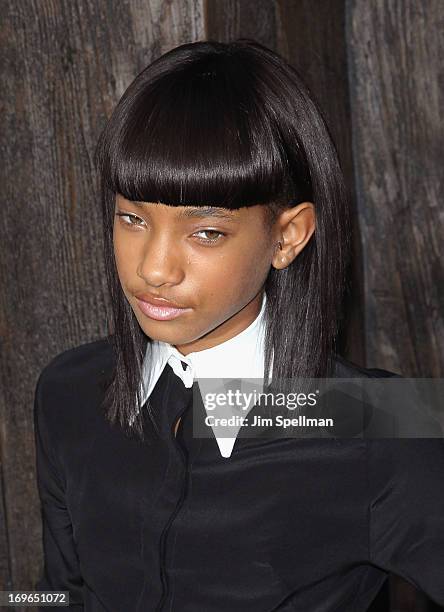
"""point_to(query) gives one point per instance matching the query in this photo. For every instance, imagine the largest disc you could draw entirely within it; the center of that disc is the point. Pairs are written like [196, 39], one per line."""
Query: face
[212, 266]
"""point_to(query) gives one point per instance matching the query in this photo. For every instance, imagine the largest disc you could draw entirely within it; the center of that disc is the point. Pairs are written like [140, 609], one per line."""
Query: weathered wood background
[375, 67]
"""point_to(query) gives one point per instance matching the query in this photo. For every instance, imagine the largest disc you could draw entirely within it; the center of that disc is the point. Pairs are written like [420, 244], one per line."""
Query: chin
[160, 333]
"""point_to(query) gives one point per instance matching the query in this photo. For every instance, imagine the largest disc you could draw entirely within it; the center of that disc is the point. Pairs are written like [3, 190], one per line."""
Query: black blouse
[282, 525]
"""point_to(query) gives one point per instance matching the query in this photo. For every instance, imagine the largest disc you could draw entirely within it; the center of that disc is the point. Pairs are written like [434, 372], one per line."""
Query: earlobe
[278, 247]
[281, 258]
[283, 265]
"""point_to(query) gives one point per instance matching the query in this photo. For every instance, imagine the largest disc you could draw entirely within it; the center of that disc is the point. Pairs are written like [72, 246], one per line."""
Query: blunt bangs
[202, 130]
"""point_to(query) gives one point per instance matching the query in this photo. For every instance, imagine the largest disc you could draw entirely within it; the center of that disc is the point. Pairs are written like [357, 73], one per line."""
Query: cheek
[119, 255]
[125, 255]
[233, 273]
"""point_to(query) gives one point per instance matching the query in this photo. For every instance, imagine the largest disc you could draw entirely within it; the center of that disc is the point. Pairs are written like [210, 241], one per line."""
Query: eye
[210, 240]
[129, 216]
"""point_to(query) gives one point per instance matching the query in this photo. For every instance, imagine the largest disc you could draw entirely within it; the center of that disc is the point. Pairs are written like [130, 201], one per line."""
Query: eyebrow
[201, 212]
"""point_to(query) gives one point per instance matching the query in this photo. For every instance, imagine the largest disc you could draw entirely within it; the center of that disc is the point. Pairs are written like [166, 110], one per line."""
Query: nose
[161, 262]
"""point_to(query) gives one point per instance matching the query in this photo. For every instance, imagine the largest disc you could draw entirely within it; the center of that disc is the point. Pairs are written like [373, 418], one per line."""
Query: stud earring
[280, 245]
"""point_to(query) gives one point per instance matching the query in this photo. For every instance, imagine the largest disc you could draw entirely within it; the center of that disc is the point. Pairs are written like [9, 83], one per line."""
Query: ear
[294, 228]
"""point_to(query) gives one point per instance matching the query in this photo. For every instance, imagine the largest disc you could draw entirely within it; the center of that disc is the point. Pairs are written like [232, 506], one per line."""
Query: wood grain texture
[65, 65]
[226, 20]
[396, 61]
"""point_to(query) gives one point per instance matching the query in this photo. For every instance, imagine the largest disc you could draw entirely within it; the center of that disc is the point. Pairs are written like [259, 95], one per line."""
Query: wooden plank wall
[396, 51]
[373, 66]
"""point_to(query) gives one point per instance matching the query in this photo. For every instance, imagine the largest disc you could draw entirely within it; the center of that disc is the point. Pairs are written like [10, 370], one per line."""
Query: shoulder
[418, 461]
[67, 400]
[344, 368]
[79, 365]
[407, 474]
[73, 382]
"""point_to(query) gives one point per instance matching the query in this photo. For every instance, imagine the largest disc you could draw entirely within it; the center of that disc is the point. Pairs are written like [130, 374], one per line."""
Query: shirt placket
[178, 400]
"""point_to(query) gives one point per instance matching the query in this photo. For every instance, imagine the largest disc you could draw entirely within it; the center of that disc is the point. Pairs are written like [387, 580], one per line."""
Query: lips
[159, 309]
[157, 301]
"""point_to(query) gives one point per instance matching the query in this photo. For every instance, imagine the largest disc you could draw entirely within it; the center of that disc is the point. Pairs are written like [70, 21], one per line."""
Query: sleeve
[406, 511]
[61, 567]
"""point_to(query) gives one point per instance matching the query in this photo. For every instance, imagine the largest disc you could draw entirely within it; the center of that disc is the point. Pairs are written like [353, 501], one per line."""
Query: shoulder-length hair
[231, 125]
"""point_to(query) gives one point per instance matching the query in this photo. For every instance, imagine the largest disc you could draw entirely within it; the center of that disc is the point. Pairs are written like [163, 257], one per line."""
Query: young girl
[227, 236]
